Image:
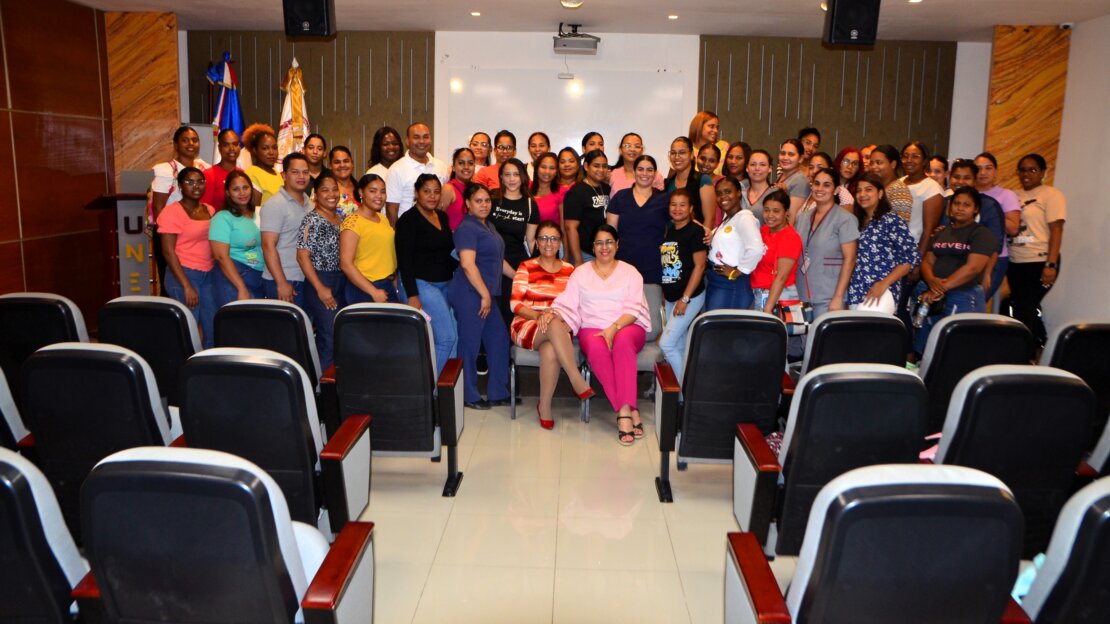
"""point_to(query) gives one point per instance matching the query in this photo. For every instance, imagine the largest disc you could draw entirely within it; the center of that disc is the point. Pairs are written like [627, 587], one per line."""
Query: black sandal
[638, 428]
[626, 438]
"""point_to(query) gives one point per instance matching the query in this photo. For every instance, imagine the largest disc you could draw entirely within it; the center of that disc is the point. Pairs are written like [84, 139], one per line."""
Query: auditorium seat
[259, 405]
[863, 336]
[888, 543]
[961, 343]
[843, 416]
[188, 535]
[1099, 460]
[385, 367]
[734, 365]
[84, 402]
[13, 433]
[1084, 349]
[1073, 585]
[41, 564]
[161, 330]
[30, 321]
[1027, 425]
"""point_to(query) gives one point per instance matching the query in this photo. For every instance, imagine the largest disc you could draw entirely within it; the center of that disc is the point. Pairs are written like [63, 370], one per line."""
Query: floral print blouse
[321, 238]
[884, 244]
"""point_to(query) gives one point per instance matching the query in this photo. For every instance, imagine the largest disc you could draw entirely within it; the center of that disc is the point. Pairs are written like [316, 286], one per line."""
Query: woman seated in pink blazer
[604, 305]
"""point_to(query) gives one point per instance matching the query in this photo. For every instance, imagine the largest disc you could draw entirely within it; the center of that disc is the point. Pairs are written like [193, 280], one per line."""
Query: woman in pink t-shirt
[546, 190]
[451, 198]
[604, 305]
[183, 227]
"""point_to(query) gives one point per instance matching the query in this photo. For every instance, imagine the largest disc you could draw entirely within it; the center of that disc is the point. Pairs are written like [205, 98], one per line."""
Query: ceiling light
[476, 14]
[673, 17]
[824, 6]
[571, 4]
[914, 1]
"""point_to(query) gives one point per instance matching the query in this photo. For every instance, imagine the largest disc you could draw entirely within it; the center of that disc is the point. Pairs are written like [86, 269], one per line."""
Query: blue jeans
[722, 293]
[206, 308]
[445, 334]
[269, 290]
[322, 318]
[673, 339]
[225, 291]
[997, 275]
[354, 294]
[955, 302]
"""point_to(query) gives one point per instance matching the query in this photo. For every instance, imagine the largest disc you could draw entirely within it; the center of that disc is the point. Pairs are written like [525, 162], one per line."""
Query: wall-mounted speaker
[851, 22]
[309, 18]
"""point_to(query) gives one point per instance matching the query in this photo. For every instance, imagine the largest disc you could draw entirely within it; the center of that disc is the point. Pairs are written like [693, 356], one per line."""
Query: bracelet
[733, 274]
[1051, 265]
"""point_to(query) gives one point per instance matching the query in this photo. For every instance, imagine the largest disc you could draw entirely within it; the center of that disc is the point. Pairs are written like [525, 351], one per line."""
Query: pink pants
[616, 369]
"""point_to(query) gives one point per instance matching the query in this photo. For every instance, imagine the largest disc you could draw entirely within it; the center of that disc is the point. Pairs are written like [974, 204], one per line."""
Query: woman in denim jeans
[953, 267]
[183, 227]
[318, 257]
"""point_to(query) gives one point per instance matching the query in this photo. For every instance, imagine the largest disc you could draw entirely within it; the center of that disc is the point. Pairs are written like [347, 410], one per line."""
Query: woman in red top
[545, 188]
[773, 277]
[451, 198]
[536, 284]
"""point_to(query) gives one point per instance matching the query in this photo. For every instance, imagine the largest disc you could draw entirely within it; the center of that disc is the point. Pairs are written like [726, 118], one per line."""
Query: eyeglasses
[548, 239]
[679, 152]
[631, 146]
[192, 183]
[505, 148]
[605, 242]
[850, 163]
[479, 144]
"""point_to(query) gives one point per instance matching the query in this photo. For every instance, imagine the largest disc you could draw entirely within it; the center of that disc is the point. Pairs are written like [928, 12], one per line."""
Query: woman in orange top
[535, 326]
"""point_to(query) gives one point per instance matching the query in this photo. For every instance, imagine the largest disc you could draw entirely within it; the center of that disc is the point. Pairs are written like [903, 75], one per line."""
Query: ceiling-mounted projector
[574, 42]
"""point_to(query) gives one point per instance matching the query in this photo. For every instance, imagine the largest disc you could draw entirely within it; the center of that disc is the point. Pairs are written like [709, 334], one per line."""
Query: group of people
[499, 251]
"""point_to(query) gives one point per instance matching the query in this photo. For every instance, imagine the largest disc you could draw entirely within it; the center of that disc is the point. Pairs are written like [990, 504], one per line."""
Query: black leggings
[1026, 292]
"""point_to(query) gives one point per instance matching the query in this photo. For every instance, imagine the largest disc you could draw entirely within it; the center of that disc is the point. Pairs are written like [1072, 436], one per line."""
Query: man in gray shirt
[280, 223]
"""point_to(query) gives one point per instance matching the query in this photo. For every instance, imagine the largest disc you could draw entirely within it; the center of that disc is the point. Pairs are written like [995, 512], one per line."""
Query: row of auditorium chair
[925, 543]
[174, 535]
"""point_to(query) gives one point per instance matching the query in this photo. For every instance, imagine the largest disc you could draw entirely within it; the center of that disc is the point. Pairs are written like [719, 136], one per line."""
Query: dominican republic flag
[229, 114]
[294, 114]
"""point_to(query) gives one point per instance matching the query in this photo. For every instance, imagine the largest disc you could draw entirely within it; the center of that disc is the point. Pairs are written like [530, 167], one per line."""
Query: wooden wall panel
[766, 88]
[143, 87]
[55, 146]
[1029, 74]
[354, 84]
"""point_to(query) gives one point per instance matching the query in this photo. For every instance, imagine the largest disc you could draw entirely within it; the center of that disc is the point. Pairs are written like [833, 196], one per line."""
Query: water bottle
[920, 313]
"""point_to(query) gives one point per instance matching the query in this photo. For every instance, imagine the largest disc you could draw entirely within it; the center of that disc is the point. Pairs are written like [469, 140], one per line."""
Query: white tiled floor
[549, 526]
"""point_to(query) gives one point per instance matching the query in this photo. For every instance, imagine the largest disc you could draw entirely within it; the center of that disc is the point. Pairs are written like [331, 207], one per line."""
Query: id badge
[763, 296]
[805, 264]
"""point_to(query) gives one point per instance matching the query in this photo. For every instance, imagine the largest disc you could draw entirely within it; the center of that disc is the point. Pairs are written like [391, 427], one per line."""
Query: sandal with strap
[638, 428]
[626, 438]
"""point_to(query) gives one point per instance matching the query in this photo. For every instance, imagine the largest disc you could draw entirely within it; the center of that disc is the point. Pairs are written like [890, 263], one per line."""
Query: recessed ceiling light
[476, 13]
[915, 1]
[571, 4]
[824, 6]
[673, 17]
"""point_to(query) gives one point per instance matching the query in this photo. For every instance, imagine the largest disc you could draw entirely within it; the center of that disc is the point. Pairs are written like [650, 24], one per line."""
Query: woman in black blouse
[424, 246]
[515, 216]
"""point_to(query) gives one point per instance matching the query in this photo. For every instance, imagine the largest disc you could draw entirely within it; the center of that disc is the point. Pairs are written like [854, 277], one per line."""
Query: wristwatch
[1051, 265]
[685, 299]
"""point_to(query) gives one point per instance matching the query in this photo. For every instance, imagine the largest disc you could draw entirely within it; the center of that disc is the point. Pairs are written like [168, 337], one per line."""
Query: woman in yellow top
[367, 255]
[261, 141]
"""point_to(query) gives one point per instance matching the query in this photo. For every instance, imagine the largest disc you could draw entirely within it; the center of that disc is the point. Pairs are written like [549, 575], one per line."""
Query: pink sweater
[590, 301]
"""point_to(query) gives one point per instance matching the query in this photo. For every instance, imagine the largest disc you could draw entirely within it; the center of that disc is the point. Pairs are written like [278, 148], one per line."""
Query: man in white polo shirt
[399, 184]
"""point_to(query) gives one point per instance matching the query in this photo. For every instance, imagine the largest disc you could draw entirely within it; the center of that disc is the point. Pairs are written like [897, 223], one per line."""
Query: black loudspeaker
[309, 18]
[849, 22]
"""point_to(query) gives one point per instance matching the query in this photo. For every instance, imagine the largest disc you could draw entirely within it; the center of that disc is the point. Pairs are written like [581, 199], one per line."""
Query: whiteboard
[648, 102]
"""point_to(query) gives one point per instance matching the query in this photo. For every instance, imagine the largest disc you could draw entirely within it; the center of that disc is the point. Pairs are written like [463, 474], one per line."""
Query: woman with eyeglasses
[700, 185]
[604, 305]
[1035, 251]
[504, 149]
[535, 324]
[475, 293]
[848, 163]
[183, 227]
[622, 176]
[641, 215]
[481, 145]
[165, 190]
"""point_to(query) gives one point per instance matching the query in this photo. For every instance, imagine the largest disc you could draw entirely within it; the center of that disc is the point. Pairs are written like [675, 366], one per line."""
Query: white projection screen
[611, 102]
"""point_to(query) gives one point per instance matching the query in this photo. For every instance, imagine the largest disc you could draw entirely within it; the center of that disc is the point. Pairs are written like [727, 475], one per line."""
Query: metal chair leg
[512, 390]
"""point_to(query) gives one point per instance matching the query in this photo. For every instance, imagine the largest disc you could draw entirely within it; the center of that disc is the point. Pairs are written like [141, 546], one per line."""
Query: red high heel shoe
[586, 394]
[546, 424]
